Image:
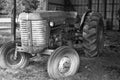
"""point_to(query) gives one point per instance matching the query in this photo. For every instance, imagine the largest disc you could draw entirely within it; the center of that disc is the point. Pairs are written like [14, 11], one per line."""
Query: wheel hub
[64, 65]
[10, 57]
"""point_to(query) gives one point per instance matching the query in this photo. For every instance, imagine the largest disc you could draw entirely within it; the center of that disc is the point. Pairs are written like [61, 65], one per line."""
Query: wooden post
[105, 8]
[106, 27]
[112, 15]
[98, 4]
[90, 4]
[13, 21]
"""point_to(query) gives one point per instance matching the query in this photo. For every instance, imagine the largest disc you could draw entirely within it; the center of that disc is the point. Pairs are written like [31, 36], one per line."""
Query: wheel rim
[6, 57]
[10, 57]
[11, 62]
[64, 65]
[62, 62]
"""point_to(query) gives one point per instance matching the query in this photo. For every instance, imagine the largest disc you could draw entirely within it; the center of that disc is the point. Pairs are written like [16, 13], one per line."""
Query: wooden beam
[112, 14]
[13, 21]
[57, 4]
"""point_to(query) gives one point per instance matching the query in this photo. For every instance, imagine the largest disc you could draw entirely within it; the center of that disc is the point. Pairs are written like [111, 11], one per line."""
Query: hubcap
[10, 57]
[64, 65]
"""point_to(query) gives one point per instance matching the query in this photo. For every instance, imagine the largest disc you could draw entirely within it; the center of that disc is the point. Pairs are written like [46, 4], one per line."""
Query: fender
[83, 18]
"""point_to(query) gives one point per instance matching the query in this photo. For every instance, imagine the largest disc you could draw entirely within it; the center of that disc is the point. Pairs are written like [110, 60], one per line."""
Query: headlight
[52, 24]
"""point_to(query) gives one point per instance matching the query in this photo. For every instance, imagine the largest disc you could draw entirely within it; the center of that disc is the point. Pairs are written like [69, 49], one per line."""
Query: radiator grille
[40, 33]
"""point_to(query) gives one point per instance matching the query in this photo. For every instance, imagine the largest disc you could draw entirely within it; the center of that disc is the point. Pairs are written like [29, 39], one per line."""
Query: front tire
[6, 57]
[63, 62]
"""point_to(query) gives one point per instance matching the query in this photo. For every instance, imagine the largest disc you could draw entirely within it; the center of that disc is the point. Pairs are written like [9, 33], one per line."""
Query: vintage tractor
[61, 34]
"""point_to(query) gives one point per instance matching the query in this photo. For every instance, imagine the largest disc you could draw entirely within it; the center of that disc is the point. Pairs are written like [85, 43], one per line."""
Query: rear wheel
[7, 57]
[63, 62]
[93, 36]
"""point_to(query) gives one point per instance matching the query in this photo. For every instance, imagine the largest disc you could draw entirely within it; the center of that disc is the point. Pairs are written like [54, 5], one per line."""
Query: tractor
[60, 34]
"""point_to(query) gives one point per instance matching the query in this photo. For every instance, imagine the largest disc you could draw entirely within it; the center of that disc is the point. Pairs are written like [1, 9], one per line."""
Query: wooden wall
[112, 7]
[51, 5]
[55, 4]
[81, 6]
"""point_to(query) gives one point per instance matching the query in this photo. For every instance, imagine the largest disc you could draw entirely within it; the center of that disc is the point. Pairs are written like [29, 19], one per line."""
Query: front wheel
[7, 57]
[63, 62]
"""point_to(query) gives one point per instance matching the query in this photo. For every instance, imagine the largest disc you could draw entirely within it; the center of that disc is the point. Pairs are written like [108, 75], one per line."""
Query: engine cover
[34, 33]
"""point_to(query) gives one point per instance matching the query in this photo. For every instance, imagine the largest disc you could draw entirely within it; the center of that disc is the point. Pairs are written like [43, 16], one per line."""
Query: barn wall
[50, 5]
[56, 1]
[112, 7]
[98, 5]
[55, 4]
[81, 6]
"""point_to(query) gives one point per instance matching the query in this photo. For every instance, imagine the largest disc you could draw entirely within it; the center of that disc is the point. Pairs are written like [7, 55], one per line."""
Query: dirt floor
[104, 67]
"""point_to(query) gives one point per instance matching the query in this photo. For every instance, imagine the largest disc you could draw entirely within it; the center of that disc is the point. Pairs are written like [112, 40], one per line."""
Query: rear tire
[6, 57]
[63, 62]
[93, 35]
